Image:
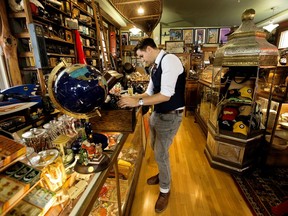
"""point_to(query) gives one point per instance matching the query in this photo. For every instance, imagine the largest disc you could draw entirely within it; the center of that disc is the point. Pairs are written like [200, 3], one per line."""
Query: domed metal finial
[247, 46]
[248, 14]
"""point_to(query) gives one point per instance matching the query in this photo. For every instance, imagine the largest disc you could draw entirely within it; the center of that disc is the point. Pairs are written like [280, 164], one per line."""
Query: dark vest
[177, 100]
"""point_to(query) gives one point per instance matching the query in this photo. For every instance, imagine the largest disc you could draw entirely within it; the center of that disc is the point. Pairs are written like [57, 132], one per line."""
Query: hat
[229, 113]
[246, 92]
[233, 93]
[240, 127]
[226, 125]
[245, 110]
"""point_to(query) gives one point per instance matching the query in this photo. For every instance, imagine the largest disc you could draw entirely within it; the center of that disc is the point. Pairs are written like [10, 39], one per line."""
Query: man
[166, 92]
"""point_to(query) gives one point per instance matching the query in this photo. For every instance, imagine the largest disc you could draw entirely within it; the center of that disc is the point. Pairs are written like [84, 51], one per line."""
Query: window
[283, 42]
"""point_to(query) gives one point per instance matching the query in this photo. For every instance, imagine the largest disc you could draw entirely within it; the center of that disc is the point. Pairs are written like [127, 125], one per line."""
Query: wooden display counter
[84, 204]
[129, 148]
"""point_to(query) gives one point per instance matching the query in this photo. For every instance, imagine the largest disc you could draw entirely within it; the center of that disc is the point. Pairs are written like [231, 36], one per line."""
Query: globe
[77, 90]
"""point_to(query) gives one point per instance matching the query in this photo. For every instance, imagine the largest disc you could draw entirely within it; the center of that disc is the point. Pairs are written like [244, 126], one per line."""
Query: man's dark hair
[144, 43]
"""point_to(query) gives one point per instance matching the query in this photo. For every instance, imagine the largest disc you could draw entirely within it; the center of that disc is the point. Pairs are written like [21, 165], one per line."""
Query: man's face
[145, 56]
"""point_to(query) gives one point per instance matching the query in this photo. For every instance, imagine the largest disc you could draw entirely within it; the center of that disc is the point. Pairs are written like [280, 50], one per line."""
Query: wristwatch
[140, 102]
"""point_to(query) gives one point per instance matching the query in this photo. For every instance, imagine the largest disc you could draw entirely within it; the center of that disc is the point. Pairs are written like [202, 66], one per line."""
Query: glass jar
[53, 172]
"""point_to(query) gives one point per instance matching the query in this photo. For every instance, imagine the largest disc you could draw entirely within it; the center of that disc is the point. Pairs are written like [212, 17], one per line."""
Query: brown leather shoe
[153, 180]
[162, 202]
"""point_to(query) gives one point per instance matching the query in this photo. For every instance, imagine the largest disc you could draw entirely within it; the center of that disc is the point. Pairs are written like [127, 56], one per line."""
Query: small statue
[90, 148]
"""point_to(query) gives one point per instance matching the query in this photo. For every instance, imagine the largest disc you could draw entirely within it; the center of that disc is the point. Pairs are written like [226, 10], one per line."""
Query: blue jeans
[163, 128]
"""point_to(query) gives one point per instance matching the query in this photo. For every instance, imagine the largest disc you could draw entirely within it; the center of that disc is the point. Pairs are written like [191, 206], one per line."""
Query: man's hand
[128, 101]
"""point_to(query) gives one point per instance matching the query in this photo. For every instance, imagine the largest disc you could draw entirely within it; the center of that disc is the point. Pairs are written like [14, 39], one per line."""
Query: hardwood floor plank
[197, 189]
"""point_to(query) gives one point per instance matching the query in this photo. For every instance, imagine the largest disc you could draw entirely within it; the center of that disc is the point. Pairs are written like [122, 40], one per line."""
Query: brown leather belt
[172, 112]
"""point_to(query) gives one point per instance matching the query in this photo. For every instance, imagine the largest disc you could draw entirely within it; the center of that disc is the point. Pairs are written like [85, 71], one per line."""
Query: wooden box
[10, 150]
[120, 120]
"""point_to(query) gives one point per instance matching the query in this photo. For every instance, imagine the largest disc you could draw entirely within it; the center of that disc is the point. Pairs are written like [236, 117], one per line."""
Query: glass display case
[203, 104]
[277, 122]
[236, 124]
[236, 127]
[208, 95]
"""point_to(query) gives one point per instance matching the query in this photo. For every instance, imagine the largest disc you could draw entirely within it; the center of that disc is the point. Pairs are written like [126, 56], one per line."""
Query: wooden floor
[197, 189]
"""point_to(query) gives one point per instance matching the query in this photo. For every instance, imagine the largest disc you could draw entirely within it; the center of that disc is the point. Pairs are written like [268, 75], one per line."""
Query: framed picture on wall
[185, 59]
[188, 36]
[176, 35]
[212, 35]
[222, 35]
[200, 36]
[174, 46]
[125, 38]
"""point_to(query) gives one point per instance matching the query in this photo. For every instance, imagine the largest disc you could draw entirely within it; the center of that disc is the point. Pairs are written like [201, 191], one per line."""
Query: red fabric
[281, 209]
[113, 43]
[79, 48]
[229, 113]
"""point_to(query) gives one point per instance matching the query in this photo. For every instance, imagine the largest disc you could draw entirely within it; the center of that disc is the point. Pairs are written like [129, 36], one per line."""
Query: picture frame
[188, 36]
[212, 35]
[176, 35]
[185, 59]
[174, 46]
[200, 36]
[222, 35]
[125, 38]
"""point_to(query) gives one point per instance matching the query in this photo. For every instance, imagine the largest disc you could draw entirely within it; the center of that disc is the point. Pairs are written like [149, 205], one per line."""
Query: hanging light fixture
[134, 30]
[140, 10]
[271, 26]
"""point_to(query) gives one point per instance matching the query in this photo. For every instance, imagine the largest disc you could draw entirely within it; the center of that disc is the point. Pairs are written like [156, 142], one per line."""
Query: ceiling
[148, 20]
[215, 13]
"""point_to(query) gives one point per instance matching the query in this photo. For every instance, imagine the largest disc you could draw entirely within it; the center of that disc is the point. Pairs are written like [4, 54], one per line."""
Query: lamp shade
[134, 30]
[270, 27]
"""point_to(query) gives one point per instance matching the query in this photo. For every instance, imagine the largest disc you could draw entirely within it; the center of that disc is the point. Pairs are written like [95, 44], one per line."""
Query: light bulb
[140, 10]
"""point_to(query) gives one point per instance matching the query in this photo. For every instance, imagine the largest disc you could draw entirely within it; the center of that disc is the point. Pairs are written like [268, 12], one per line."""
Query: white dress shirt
[171, 68]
